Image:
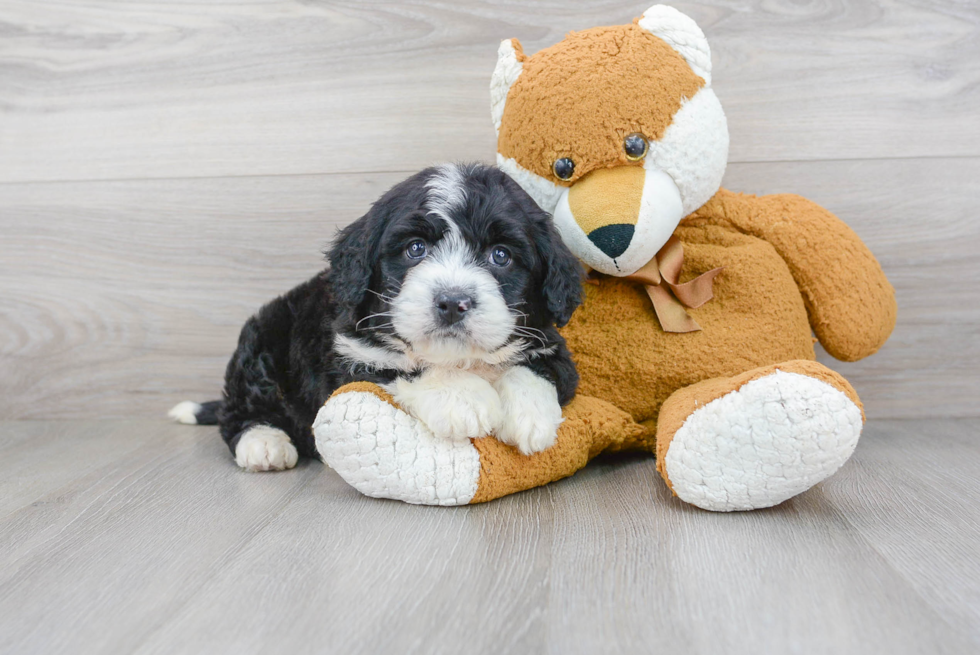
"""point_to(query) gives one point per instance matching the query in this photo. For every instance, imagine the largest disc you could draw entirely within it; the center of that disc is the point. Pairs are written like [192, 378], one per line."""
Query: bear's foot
[757, 439]
[384, 452]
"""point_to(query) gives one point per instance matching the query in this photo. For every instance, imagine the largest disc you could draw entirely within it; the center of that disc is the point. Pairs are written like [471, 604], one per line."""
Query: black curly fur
[285, 366]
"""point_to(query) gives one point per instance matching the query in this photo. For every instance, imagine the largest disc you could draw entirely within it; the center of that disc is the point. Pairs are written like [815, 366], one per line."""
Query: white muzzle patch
[661, 209]
[484, 329]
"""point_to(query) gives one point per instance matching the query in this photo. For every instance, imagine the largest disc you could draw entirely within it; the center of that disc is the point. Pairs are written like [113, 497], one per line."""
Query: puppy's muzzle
[451, 306]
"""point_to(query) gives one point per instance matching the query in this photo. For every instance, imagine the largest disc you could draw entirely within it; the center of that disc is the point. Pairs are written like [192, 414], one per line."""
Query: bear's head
[614, 130]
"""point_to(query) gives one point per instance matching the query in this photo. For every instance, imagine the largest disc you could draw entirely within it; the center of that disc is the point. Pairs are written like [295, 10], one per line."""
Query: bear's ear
[682, 34]
[510, 58]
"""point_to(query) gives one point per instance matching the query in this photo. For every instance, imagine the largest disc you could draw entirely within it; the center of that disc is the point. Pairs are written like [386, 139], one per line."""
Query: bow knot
[659, 276]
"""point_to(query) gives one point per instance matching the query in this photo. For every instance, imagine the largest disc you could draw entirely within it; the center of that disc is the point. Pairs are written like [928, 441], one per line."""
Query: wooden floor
[167, 166]
[142, 537]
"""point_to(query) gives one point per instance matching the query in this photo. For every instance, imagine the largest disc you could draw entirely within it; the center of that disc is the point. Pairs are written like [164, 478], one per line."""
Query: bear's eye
[563, 168]
[635, 146]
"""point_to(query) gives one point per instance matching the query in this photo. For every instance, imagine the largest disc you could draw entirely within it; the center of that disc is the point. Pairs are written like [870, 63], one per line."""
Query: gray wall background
[165, 168]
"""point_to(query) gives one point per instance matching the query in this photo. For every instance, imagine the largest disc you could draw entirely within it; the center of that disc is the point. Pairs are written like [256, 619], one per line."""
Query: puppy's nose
[452, 306]
[613, 239]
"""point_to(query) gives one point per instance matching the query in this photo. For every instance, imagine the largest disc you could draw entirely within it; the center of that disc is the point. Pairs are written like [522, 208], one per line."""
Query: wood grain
[902, 469]
[122, 298]
[100, 90]
[167, 167]
[168, 547]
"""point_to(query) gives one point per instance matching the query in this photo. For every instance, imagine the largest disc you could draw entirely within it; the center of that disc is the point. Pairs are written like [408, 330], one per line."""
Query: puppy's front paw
[530, 411]
[453, 404]
[265, 448]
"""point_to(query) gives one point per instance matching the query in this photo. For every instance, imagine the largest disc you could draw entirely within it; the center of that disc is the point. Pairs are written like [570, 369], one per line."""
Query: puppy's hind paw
[265, 448]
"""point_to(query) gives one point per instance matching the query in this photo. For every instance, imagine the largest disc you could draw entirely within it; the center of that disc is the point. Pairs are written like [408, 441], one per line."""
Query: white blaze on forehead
[446, 193]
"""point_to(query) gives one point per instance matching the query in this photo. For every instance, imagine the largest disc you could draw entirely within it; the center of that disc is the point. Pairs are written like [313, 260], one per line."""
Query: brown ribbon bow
[669, 298]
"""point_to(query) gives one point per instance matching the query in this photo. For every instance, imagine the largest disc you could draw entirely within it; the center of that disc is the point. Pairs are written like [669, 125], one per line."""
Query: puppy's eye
[416, 249]
[563, 168]
[499, 256]
[635, 146]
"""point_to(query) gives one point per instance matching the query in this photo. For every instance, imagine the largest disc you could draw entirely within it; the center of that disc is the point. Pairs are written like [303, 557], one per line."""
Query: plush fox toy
[694, 340]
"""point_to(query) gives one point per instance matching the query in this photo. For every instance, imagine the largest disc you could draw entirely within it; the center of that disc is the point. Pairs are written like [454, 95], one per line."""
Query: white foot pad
[385, 453]
[265, 448]
[772, 439]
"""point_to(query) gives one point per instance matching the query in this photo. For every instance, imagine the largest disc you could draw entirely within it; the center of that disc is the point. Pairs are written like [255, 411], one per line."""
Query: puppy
[446, 293]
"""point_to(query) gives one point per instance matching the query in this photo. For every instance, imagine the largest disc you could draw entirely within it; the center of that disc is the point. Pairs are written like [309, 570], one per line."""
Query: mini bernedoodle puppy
[446, 293]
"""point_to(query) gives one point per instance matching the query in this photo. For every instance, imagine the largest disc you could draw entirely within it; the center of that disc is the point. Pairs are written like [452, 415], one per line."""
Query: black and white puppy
[446, 293]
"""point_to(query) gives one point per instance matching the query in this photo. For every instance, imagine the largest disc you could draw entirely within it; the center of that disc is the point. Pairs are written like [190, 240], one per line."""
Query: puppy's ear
[563, 273]
[352, 258]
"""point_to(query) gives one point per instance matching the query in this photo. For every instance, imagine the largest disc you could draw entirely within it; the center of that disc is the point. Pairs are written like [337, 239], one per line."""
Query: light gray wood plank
[379, 577]
[123, 291]
[657, 574]
[171, 549]
[911, 491]
[122, 298]
[99, 90]
[96, 565]
[35, 461]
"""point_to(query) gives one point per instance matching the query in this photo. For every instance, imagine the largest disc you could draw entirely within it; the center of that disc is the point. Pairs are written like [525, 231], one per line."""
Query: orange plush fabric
[591, 426]
[765, 301]
[791, 269]
[638, 88]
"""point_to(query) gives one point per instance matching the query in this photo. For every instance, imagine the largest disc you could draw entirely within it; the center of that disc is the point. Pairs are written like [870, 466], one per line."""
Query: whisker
[530, 333]
[387, 299]
[356, 325]
[528, 329]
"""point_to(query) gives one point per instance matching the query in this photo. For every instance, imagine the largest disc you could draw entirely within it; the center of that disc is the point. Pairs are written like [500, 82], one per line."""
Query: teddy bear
[695, 338]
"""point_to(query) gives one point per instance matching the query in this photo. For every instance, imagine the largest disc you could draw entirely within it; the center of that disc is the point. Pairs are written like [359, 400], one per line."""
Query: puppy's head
[454, 265]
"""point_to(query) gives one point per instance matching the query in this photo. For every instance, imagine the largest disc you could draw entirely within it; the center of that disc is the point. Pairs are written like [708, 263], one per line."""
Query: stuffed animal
[694, 339]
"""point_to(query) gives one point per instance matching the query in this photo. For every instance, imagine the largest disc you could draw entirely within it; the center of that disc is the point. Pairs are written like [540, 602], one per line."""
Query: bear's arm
[850, 303]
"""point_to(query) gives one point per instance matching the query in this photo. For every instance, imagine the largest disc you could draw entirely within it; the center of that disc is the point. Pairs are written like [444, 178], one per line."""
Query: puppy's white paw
[265, 448]
[530, 411]
[453, 404]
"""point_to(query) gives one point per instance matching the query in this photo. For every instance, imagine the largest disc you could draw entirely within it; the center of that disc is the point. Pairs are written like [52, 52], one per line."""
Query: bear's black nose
[452, 306]
[612, 239]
